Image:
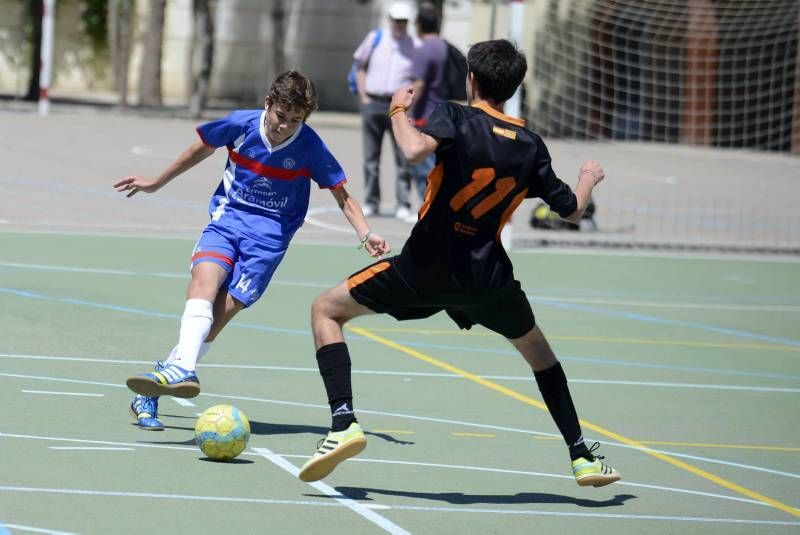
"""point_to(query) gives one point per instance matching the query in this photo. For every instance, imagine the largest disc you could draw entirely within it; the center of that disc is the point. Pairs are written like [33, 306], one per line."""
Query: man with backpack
[384, 63]
[430, 84]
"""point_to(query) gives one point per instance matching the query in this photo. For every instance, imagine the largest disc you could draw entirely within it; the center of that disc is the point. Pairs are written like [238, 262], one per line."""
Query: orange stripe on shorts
[212, 254]
[367, 274]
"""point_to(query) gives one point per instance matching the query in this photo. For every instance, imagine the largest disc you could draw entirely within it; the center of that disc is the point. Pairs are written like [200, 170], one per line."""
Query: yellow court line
[726, 446]
[585, 424]
[650, 442]
[604, 339]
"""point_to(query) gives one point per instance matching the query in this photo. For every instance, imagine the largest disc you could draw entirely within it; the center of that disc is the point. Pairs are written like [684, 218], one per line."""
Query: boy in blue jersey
[259, 205]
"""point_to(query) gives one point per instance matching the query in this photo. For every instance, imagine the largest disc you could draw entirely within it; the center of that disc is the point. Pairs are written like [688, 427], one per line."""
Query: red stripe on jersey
[335, 186]
[267, 171]
[212, 254]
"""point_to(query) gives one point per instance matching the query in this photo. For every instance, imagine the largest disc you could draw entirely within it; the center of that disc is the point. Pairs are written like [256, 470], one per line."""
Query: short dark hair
[499, 68]
[428, 18]
[294, 91]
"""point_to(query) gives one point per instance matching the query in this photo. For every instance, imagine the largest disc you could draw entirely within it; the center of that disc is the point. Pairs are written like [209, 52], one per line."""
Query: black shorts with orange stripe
[382, 288]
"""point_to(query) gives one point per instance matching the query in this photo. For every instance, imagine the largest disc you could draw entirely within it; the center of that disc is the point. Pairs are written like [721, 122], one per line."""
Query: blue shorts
[250, 263]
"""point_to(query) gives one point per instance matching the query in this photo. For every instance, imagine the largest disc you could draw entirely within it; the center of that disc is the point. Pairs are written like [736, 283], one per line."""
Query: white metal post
[46, 60]
[516, 13]
[513, 106]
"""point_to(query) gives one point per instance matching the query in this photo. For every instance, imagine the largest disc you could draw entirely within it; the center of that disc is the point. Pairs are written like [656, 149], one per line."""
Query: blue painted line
[4, 530]
[23, 293]
[141, 312]
[634, 316]
[423, 345]
[65, 186]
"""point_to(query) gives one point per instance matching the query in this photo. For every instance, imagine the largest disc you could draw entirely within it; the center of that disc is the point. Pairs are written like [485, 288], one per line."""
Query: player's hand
[376, 246]
[403, 97]
[591, 170]
[134, 184]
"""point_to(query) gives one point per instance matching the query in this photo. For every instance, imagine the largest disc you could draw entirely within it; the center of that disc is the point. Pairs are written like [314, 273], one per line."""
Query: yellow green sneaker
[332, 450]
[591, 471]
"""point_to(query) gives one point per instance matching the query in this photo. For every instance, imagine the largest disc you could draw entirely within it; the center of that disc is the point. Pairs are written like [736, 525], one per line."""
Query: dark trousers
[375, 121]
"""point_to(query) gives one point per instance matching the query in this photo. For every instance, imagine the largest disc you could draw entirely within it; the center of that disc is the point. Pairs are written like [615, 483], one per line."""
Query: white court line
[685, 255]
[405, 463]
[743, 307]
[372, 516]
[524, 378]
[668, 304]
[62, 393]
[99, 448]
[19, 527]
[550, 250]
[313, 211]
[428, 419]
[459, 510]
[182, 401]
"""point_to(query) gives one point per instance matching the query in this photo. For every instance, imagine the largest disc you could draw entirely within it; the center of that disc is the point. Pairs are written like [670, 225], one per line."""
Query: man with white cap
[385, 63]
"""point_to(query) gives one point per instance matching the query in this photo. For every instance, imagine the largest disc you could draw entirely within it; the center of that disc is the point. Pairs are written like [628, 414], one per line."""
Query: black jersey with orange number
[486, 164]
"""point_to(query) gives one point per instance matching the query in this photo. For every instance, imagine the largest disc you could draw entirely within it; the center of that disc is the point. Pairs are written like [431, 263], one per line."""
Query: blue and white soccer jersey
[262, 199]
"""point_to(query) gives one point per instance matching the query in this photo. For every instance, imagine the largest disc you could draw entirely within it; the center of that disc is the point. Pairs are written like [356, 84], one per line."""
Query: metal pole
[46, 60]
[513, 106]
[492, 20]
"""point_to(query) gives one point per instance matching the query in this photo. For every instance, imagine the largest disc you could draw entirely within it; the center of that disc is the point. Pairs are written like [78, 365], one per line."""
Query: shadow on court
[459, 498]
[263, 428]
[229, 461]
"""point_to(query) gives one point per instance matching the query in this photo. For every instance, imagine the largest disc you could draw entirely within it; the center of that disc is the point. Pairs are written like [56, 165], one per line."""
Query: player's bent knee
[321, 306]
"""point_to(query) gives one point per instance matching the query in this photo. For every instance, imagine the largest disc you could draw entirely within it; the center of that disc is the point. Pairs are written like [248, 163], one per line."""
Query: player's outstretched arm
[195, 154]
[374, 244]
[590, 175]
[415, 145]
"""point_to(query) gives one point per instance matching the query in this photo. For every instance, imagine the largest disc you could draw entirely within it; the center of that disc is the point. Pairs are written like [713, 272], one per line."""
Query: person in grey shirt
[385, 64]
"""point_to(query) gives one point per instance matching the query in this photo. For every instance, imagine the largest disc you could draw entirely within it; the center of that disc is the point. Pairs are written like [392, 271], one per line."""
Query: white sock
[171, 357]
[203, 350]
[195, 326]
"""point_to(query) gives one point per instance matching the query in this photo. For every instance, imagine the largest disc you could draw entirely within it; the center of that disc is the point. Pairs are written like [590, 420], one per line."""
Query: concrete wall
[78, 69]
[321, 36]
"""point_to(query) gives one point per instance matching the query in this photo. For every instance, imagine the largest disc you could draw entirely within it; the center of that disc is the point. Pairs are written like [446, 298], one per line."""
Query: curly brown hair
[293, 91]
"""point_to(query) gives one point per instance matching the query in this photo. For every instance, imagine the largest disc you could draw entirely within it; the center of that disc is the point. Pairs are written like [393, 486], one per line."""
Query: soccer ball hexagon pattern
[222, 432]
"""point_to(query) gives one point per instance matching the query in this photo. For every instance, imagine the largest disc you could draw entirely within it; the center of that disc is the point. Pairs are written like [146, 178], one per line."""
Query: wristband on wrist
[397, 109]
[589, 171]
[364, 239]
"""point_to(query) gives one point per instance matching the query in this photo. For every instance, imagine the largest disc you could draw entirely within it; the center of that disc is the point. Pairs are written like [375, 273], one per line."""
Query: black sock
[553, 386]
[334, 366]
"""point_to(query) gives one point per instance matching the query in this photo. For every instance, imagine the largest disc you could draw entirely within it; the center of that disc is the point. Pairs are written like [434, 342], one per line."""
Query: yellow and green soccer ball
[222, 432]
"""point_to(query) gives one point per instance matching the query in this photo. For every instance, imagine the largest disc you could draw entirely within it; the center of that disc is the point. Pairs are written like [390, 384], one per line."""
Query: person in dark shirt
[486, 164]
[428, 78]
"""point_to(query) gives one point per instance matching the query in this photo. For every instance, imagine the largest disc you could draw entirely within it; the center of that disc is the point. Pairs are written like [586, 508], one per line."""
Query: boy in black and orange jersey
[486, 164]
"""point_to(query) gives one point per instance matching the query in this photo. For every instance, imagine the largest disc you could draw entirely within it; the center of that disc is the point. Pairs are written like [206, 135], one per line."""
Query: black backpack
[455, 74]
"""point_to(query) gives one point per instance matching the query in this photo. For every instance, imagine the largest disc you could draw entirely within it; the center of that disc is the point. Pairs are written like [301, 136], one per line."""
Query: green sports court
[677, 323]
[683, 367]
